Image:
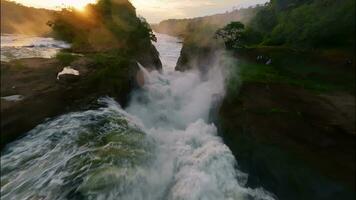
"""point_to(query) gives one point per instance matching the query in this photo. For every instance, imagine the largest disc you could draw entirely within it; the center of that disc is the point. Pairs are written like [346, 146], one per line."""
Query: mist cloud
[157, 10]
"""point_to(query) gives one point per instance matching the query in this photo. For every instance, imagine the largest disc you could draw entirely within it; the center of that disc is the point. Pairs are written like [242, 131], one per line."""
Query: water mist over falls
[159, 147]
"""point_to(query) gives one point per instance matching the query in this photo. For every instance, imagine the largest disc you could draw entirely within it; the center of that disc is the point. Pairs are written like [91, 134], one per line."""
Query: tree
[107, 25]
[288, 4]
[265, 20]
[232, 35]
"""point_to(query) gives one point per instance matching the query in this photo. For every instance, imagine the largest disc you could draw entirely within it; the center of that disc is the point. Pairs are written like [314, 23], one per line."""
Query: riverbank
[97, 54]
[291, 122]
[44, 95]
[295, 143]
[162, 143]
[289, 118]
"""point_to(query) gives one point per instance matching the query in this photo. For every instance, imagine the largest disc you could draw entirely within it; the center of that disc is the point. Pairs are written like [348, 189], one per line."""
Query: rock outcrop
[110, 47]
[45, 96]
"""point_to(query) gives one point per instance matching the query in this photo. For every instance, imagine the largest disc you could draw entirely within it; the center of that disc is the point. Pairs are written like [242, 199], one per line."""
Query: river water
[22, 46]
[161, 147]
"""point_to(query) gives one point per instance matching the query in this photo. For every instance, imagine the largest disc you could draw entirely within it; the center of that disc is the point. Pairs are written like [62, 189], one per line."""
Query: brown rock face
[44, 96]
[293, 138]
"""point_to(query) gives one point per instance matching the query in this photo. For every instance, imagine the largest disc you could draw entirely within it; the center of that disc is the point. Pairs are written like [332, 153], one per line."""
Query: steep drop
[160, 147]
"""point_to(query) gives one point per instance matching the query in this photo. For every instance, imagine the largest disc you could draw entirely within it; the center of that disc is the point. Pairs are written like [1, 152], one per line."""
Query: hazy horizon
[157, 10]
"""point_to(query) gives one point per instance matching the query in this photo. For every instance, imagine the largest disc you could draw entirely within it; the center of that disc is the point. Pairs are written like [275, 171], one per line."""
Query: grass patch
[299, 74]
[18, 65]
[66, 58]
[113, 73]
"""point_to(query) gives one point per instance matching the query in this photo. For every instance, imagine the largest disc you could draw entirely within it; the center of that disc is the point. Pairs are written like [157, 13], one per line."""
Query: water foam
[22, 46]
[160, 147]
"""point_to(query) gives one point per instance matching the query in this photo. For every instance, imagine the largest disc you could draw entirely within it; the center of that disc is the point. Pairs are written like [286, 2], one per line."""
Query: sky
[157, 10]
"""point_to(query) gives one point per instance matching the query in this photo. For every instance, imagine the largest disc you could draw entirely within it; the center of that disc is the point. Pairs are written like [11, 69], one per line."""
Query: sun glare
[79, 5]
[57, 4]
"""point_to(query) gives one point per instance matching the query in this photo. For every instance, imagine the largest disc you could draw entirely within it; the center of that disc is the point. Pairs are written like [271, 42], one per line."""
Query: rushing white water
[160, 148]
[169, 49]
[22, 46]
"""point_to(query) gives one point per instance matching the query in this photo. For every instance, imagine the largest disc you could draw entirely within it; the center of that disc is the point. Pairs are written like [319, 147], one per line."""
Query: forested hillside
[303, 24]
[180, 27]
[16, 18]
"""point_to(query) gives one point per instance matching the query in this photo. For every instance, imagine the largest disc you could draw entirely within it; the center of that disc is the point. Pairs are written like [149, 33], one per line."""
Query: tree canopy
[304, 24]
[232, 34]
[106, 25]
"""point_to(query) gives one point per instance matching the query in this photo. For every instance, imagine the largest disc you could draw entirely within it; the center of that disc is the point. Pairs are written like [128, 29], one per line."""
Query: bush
[107, 25]
[66, 58]
[232, 35]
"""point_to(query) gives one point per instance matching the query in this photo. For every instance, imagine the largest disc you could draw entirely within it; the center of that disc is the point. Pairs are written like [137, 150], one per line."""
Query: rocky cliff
[106, 45]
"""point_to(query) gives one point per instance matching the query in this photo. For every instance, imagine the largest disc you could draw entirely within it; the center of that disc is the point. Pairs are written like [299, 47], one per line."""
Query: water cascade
[161, 146]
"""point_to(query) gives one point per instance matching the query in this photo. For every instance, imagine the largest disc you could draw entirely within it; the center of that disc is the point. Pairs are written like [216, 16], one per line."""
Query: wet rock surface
[44, 96]
[298, 144]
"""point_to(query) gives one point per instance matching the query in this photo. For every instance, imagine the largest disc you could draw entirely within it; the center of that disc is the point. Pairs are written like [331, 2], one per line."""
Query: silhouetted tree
[232, 35]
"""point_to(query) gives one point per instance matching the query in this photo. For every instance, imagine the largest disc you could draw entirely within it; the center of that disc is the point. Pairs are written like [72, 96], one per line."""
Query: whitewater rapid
[161, 147]
[23, 46]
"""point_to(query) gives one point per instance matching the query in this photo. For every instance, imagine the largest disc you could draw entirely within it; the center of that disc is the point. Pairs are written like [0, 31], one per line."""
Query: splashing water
[169, 49]
[161, 147]
[22, 46]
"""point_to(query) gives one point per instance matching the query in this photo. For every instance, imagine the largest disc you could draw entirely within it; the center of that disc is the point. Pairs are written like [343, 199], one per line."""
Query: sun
[80, 4]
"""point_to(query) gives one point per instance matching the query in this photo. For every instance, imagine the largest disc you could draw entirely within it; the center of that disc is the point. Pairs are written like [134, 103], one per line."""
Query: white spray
[160, 148]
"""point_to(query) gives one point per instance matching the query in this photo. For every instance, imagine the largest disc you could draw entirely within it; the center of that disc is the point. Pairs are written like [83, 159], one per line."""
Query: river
[22, 46]
[160, 147]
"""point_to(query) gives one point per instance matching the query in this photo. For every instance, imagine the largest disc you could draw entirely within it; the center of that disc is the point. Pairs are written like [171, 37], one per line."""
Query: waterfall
[161, 147]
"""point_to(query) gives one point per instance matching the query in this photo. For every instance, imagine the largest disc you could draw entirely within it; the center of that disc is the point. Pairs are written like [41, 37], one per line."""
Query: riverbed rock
[292, 138]
[68, 78]
[193, 57]
[149, 58]
[68, 75]
[46, 97]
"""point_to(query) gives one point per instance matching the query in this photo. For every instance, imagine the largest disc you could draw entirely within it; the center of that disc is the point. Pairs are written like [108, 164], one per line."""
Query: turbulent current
[161, 147]
[22, 46]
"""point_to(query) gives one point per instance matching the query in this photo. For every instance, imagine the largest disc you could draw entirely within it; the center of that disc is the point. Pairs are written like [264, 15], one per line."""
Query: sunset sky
[157, 10]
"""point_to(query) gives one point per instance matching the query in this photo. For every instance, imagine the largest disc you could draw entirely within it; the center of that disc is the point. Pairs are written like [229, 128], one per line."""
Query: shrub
[66, 58]
[232, 34]
[104, 26]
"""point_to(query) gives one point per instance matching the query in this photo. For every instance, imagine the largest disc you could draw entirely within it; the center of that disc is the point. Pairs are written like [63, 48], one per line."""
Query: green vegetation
[232, 34]
[18, 65]
[113, 73]
[107, 25]
[185, 27]
[304, 75]
[111, 38]
[294, 57]
[303, 24]
[310, 44]
[66, 58]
